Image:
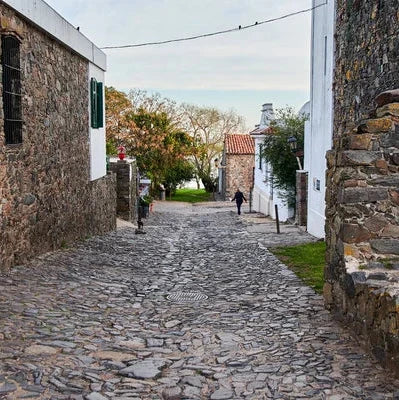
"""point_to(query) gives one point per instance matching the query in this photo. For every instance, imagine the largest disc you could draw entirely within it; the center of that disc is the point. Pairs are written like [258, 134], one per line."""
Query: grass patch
[191, 195]
[306, 260]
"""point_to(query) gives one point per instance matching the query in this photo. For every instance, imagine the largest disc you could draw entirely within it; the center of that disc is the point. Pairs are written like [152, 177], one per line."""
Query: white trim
[98, 167]
[42, 15]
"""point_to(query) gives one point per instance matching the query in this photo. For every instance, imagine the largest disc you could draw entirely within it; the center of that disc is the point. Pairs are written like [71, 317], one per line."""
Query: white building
[318, 131]
[264, 195]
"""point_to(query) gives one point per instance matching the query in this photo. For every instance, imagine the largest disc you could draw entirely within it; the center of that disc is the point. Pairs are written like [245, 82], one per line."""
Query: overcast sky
[241, 70]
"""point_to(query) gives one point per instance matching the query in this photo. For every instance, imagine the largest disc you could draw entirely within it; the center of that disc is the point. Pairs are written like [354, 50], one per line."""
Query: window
[260, 156]
[97, 106]
[12, 104]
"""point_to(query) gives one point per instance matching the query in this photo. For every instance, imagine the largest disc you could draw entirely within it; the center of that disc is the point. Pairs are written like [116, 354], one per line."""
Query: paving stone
[113, 355]
[192, 381]
[147, 369]
[95, 396]
[7, 388]
[172, 324]
[40, 350]
[222, 394]
[173, 393]
[153, 342]
[72, 321]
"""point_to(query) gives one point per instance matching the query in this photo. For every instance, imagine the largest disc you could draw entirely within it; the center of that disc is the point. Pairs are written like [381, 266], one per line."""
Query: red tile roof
[239, 144]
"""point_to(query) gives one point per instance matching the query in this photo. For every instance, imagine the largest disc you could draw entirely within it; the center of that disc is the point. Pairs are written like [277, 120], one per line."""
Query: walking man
[239, 197]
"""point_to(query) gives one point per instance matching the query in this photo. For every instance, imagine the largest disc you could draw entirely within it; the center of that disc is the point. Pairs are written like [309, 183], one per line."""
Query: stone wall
[366, 56]
[46, 197]
[301, 200]
[362, 225]
[239, 174]
[126, 188]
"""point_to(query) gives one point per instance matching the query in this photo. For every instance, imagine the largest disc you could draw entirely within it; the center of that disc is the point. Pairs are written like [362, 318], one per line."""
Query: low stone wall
[102, 214]
[36, 228]
[362, 275]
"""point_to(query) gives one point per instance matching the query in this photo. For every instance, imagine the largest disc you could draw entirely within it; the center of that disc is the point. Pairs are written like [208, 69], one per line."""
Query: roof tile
[240, 144]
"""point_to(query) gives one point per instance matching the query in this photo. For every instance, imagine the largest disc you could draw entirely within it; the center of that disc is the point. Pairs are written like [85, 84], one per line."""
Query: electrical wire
[240, 28]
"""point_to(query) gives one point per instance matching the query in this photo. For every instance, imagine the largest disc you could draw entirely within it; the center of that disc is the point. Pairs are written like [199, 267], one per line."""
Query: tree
[147, 125]
[180, 172]
[277, 152]
[208, 127]
[153, 129]
[118, 109]
[160, 148]
[155, 103]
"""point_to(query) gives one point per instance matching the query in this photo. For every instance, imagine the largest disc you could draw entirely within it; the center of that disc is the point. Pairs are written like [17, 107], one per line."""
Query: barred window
[12, 97]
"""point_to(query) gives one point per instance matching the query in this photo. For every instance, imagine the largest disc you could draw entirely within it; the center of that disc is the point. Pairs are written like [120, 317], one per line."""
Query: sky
[242, 70]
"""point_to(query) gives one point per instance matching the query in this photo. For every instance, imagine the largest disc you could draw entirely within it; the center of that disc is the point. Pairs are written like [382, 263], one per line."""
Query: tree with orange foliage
[148, 133]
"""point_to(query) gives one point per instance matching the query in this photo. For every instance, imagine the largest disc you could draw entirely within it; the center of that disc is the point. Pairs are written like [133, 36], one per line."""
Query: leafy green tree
[160, 148]
[277, 152]
[180, 172]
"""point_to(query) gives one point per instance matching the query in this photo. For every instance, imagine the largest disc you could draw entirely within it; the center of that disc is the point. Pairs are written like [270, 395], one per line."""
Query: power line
[239, 28]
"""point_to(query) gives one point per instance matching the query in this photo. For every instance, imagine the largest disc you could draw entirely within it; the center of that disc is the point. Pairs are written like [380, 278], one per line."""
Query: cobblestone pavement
[95, 322]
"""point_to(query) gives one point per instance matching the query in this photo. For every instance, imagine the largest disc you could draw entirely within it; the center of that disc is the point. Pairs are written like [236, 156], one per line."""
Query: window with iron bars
[12, 97]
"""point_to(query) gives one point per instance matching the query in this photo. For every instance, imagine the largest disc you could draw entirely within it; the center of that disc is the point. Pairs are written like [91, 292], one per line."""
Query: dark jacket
[239, 197]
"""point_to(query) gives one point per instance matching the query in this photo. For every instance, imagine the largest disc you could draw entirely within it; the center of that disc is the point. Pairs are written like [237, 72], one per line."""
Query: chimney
[267, 115]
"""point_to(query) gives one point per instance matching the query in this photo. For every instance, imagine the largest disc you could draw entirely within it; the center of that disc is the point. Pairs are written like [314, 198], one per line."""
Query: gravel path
[195, 309]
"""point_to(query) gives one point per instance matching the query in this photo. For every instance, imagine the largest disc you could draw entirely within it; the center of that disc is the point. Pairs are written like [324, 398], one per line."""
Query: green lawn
[191, 195]
[307, 261]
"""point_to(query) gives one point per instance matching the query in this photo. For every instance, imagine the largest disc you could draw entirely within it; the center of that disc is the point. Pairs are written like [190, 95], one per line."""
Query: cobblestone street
[195, 309]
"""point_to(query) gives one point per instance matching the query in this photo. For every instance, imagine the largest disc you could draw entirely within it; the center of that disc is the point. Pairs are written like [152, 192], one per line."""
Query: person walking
[239, 197]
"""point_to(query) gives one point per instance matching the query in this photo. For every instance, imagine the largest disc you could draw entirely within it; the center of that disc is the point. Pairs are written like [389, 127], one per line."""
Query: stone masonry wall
[126, 188]
[301, 201]
[239, 174]
[362, 214]
[46, 197]
[366, 56]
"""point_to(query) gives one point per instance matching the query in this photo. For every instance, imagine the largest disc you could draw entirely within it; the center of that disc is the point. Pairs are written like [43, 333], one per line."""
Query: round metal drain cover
[186, 297]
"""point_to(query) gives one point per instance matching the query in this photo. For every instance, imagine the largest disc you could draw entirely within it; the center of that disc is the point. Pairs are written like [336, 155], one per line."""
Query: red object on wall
[121, 152]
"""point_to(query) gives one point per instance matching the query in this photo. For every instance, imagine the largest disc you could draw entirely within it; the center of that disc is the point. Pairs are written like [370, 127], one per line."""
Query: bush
[146, 200]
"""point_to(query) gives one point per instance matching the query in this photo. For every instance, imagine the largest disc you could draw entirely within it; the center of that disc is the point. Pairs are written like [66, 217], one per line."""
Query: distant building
[264, 195]
[238, 162]
[318, 130]
[53, 182]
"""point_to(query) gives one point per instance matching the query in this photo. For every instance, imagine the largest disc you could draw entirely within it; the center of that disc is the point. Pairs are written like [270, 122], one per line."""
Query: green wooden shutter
[100, 105]
[94, 103]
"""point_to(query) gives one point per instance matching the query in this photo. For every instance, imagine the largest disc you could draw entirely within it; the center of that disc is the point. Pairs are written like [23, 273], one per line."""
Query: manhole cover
[186, 297]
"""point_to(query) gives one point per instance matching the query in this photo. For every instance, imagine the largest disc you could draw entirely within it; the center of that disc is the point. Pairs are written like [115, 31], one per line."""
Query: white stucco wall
[46, 18]
[318, 134]
[262, 193]
[98, 167]
[264, 196]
